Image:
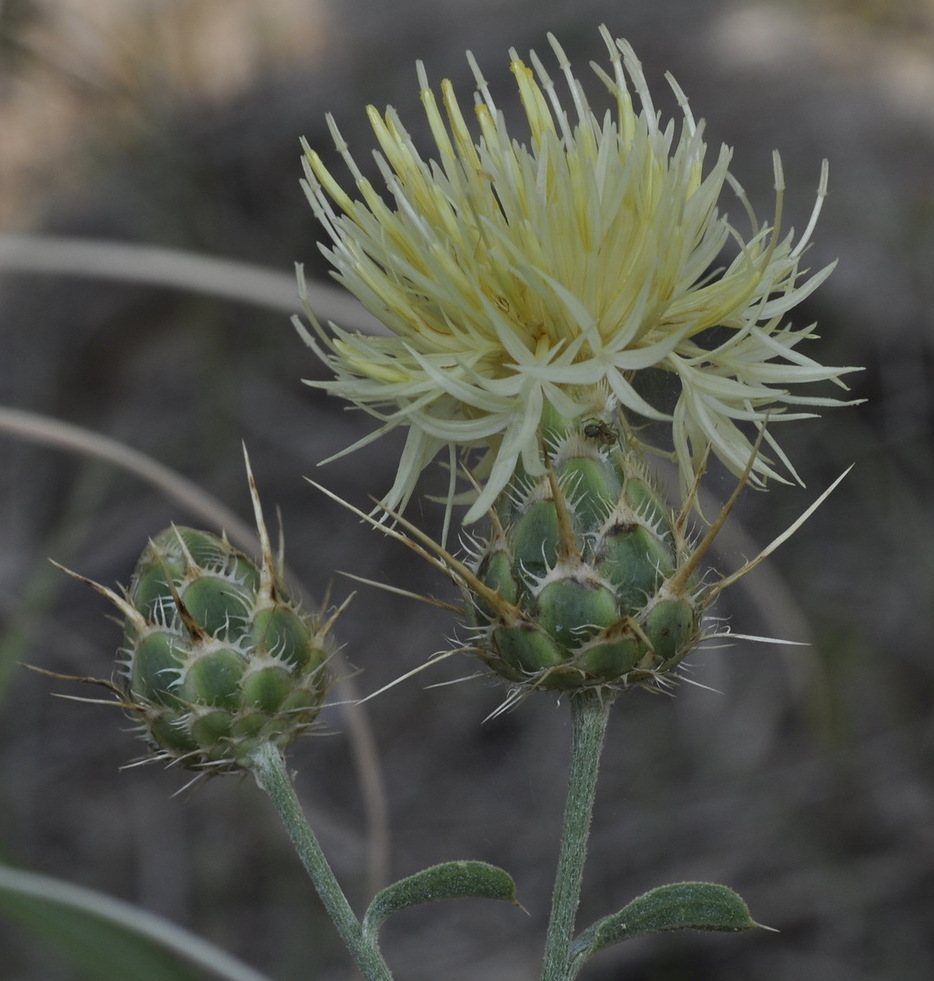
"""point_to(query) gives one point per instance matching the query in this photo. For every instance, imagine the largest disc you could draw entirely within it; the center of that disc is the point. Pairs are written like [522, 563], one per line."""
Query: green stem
[269, 770]
[589, 714]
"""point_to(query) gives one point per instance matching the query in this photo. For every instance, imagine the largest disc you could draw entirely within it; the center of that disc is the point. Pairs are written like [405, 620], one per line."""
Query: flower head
[217, 659]
[548, 272]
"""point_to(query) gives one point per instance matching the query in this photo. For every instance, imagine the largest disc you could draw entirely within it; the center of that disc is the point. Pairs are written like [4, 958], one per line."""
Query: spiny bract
[585, 577]
[216, 658]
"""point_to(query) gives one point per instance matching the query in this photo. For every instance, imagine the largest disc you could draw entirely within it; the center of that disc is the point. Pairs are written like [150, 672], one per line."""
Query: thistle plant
[536, 287]
[217, 660]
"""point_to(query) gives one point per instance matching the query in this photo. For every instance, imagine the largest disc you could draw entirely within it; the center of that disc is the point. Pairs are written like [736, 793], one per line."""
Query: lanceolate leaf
[677, 906]
[105, 939]
[450, 880]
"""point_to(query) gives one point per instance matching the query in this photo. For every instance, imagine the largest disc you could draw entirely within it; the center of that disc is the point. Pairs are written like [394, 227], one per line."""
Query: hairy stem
[269, 770]
[589, 714]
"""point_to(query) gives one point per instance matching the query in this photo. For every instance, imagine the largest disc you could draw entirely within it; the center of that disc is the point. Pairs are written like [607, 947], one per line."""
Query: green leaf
[677, 906]
[105, 939]
[450, 880]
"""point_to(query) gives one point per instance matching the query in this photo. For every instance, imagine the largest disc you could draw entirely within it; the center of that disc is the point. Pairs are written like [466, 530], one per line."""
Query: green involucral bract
[582, 568]
[216, 657]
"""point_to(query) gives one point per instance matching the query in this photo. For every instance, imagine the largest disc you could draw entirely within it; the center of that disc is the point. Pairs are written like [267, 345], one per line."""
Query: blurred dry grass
[807, 782]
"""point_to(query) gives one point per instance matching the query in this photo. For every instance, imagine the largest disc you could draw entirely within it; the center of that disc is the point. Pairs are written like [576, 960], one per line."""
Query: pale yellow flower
[553, 268]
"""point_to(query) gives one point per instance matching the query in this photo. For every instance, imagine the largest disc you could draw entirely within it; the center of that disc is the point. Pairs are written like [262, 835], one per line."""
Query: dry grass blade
[62, 435]
[189, 271]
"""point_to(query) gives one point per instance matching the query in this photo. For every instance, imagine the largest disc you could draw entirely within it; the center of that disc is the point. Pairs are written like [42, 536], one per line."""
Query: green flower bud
[216, 658]
[579, 585]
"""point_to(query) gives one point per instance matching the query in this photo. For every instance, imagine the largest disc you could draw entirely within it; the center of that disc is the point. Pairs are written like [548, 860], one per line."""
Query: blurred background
[802, 777]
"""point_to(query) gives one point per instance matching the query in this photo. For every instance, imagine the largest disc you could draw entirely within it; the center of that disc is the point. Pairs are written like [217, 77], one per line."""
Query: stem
[589, 714]
[269, 770]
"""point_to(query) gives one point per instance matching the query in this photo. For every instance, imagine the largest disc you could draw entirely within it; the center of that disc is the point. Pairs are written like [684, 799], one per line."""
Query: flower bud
[213, 661]
[577, 585]
[217, 659]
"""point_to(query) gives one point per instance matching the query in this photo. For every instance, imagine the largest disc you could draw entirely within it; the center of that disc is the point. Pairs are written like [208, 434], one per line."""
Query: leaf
[105, 939]
[677, 906]
[450, 880]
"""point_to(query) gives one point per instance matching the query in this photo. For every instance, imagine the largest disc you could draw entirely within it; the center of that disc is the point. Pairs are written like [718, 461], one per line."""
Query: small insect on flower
[544, 271]
[600, 432]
